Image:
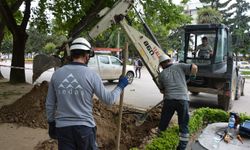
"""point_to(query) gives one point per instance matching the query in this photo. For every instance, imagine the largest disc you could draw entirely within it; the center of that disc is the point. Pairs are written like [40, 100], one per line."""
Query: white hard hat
[80, 44]
[163, 58]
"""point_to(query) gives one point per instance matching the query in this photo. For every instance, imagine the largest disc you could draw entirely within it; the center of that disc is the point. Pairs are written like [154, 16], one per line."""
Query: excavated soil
[29, 111]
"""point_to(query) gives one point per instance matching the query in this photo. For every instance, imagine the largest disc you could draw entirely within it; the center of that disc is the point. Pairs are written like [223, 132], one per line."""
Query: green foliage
[49, 48]
[237, 20]
[204, 116]
[163, 18]
[167, 140]
[68, 12]
[174, 39]
[7, 44]
[213, 115]
[196, 122]
[216, 4]
[37, 40]
[40, 19]
[199, 118]
[244, 117]
[239, 26]
[209, 15]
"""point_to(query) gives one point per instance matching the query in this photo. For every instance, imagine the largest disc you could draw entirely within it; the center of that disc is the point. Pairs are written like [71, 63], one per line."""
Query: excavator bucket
[42, 63]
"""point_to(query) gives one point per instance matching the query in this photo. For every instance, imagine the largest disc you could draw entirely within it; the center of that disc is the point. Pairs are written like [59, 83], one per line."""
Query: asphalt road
[144, 94]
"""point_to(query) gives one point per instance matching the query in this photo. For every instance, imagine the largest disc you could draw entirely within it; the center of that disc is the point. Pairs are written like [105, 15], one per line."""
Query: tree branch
[26, 14]
[14, 7]
[95, 8]
[7, 16]
[1, 33]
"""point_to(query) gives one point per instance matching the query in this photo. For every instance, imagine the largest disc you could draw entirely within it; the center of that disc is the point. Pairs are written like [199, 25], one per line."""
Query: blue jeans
[182, 108]
[76, 138]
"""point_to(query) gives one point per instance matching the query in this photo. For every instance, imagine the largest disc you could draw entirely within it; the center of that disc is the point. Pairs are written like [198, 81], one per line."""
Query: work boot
[182, 145]
[158, 132]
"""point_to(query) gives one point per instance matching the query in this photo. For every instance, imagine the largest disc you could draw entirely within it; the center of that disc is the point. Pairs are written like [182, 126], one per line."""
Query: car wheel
[225, 102]
[130, 76]
[238, 90]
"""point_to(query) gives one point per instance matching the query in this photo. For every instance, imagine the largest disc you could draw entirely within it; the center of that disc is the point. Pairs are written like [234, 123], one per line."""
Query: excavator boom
[147, 49]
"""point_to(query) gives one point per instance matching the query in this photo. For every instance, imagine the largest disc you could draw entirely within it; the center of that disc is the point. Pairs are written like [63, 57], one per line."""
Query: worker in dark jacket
[69, 103]
[172, 84]
[138, 66]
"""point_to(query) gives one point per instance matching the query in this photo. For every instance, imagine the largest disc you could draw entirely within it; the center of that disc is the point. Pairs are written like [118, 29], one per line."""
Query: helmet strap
[91, 53]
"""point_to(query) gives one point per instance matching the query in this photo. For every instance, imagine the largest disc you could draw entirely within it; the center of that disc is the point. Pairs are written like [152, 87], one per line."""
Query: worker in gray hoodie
[69, 103]
[173, 86]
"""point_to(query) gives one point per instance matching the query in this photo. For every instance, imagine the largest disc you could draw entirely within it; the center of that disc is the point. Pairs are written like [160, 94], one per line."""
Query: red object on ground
[107, 49]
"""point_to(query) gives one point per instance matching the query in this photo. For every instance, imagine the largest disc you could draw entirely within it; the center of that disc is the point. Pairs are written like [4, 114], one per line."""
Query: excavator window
[200, 46]
[222, 46]
[205, 45]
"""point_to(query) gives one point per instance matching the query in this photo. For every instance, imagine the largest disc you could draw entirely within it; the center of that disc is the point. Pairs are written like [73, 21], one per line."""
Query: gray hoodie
[69, 100]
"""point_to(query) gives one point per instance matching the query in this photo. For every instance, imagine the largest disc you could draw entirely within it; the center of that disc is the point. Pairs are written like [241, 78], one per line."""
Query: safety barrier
[15, 67]
[25, 68]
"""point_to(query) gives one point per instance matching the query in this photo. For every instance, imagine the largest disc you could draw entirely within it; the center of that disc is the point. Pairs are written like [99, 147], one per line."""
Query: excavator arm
[147, 49]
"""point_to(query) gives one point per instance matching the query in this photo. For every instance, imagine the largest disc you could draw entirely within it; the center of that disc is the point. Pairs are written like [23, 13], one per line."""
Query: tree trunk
[17, 75]
[1, 76]
[1, 40]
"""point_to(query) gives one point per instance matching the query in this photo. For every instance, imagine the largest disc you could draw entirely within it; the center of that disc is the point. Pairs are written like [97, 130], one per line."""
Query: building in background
[191, 9]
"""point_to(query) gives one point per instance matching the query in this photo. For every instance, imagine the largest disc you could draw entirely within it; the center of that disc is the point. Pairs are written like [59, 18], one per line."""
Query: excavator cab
[209, 47]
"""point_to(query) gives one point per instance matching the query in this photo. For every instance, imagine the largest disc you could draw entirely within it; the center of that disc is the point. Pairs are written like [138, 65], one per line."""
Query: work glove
[123, 82]
[52, 130]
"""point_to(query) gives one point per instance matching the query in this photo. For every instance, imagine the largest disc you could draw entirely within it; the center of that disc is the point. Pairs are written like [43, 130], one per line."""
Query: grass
[245, 72]
[9, 93]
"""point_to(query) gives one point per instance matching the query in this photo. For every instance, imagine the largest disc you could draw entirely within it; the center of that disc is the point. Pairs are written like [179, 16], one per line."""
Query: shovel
[140, 118]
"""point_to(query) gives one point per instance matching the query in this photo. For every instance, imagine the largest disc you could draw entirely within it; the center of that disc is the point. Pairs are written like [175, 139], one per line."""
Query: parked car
[244, 64]
[110, 67]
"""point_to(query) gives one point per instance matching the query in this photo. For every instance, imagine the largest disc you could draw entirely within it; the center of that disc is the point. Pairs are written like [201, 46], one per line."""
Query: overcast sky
[196, 3]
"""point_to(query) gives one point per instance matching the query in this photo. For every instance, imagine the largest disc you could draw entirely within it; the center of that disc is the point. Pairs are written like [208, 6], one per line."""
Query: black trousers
[76, 138]
[182, 109]
[138, 70]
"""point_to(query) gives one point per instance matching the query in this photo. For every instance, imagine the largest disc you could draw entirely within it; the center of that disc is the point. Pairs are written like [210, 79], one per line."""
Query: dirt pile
[29, 111]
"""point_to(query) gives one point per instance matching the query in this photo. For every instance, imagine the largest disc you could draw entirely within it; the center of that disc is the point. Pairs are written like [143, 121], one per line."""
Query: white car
[110, 67]
[244, 65]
